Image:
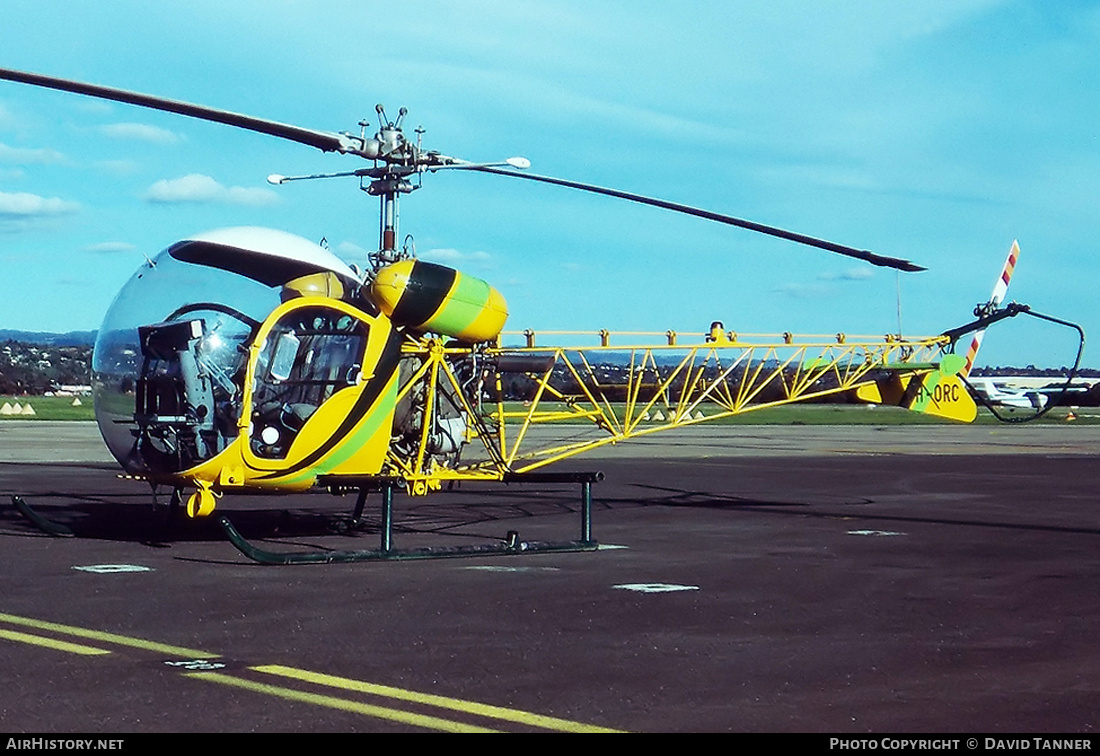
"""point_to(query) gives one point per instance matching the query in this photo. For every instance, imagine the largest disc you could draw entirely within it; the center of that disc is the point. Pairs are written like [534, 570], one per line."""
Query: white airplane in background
[994, 391]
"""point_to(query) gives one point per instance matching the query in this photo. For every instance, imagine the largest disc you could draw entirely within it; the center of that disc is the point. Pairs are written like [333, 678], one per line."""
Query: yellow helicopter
[249, 359]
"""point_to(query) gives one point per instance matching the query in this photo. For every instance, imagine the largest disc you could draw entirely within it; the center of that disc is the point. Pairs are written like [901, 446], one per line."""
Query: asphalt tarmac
[872, 579]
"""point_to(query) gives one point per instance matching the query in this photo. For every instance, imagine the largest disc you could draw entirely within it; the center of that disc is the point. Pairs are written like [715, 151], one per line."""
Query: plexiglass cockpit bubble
[216, 310]
[171, 355]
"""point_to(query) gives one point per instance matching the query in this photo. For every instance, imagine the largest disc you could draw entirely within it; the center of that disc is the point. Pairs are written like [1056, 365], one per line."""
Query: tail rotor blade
[1000, 289]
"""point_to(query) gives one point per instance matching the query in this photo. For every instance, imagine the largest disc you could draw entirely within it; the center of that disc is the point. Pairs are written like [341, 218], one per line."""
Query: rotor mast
[388, 181]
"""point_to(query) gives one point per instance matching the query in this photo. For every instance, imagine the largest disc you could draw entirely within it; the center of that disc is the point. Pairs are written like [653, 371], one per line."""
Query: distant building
[71, 390]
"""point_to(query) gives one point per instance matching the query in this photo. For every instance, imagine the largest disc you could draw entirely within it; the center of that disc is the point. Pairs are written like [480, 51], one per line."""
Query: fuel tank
[427, 297]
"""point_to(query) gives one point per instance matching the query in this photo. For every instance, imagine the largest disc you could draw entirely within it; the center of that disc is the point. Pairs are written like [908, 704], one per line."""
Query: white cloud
[198, 188]
[852, 274]
[109, 247]
[825, 285]
[118, 167]
[141, 132]
[20, 205]
[454, 257]
[806, 291]
[28, 156]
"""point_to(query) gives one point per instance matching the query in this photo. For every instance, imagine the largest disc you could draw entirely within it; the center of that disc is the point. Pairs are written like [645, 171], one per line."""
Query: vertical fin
[940, 393]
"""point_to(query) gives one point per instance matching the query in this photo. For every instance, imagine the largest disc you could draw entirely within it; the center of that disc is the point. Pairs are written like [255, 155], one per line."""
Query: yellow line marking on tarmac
[444, 702]
[121, 640]
[332, 702]
[58, 645]
[343, 683]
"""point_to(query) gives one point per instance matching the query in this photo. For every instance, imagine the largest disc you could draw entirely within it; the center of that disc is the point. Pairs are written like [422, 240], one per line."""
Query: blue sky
[936, 131]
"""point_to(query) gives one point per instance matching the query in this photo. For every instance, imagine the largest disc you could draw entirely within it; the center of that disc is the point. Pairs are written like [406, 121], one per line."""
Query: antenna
[897, 276]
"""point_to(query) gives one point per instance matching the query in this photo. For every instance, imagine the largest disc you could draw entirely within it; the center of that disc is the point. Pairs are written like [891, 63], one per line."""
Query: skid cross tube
[586, 479]
[386, 551]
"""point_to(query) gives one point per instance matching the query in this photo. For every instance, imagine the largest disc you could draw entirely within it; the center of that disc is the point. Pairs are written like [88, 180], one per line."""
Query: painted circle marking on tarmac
[498, 568]
[107, 569]
[655, 587]
[193, 665]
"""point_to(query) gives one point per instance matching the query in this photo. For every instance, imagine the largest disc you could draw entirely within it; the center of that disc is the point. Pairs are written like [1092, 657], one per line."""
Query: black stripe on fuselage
[427, 287]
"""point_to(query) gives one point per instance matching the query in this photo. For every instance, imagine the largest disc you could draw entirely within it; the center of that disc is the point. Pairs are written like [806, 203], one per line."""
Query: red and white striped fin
[999, 291]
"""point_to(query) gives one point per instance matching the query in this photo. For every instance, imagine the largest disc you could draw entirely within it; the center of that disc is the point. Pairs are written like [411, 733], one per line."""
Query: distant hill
[72, 338]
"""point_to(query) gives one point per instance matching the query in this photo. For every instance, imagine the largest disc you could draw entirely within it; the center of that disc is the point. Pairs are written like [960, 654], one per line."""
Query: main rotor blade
[322, 140]
[861, 254]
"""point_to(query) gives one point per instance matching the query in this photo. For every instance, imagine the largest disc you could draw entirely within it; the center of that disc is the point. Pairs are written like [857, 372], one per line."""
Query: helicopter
[253, 360]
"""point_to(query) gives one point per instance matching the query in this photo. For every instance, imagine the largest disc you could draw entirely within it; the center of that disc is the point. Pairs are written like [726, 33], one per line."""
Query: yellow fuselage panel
[346, 433]
[323, 446]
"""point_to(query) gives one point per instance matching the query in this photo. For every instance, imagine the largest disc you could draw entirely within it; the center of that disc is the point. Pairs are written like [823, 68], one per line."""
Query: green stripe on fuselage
[926, 385]
[462, 307]
[949, 365]
[382, 411]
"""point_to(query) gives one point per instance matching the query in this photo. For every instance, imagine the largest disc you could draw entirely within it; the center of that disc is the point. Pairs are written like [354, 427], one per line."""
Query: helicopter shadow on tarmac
[95, 503]
[127, 511]
[825, 506]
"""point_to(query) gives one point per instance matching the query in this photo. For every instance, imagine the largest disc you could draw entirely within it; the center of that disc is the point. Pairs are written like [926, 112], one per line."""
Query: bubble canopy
[228, 280]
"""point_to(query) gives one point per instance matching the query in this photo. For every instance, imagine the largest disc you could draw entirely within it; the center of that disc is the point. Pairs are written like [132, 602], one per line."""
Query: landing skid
[58, 530]
[45, 525]
[511, 545]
